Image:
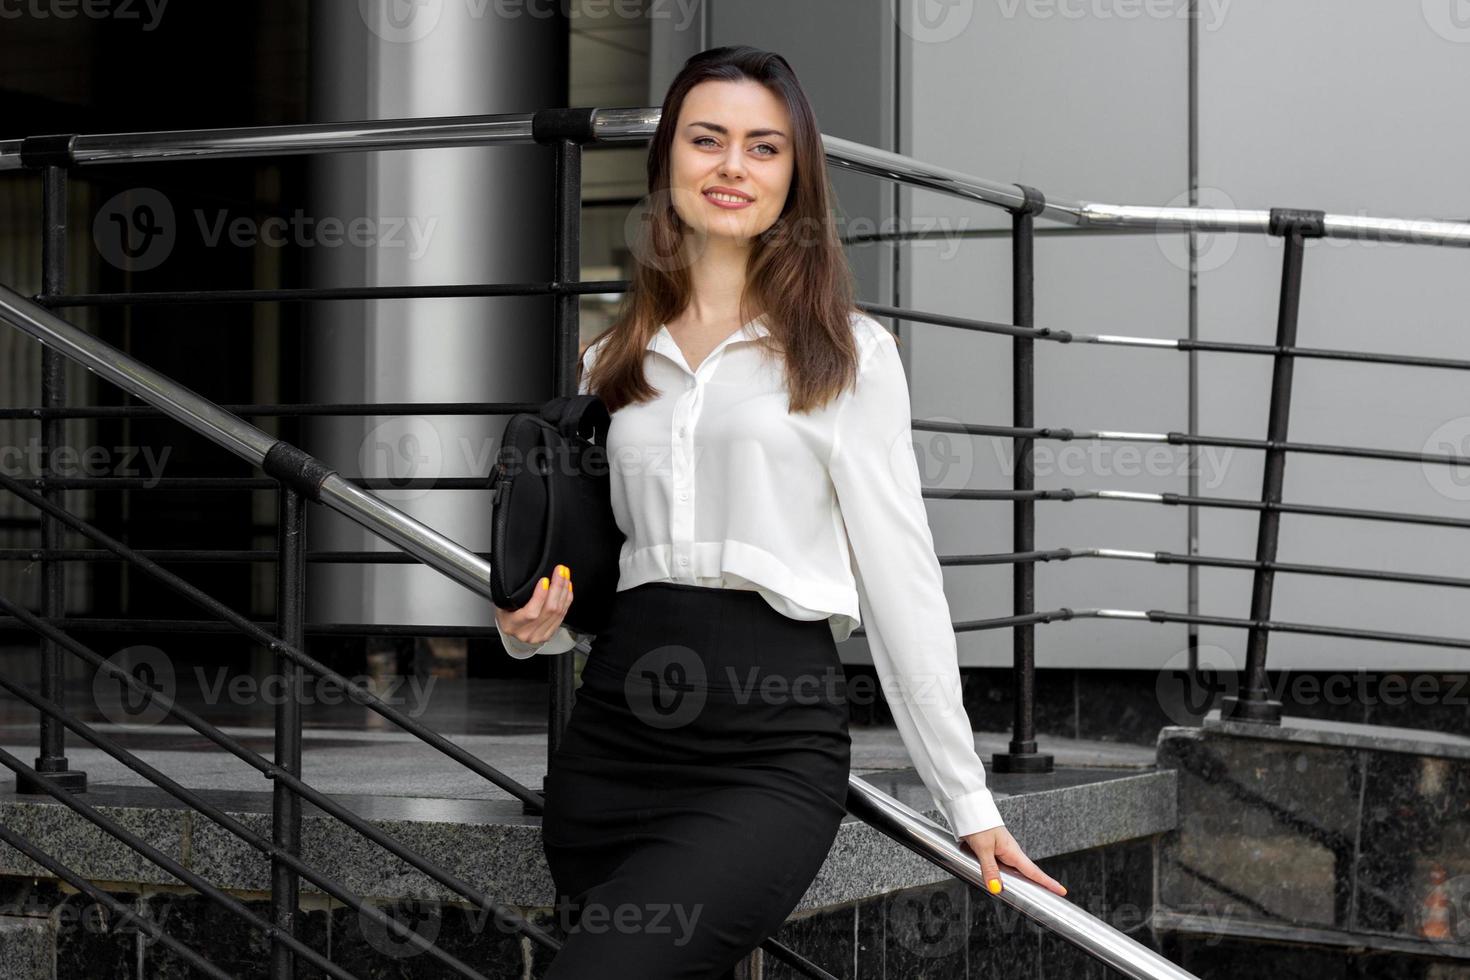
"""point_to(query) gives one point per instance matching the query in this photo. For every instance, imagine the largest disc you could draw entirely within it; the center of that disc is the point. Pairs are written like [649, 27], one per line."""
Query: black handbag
[552, 505]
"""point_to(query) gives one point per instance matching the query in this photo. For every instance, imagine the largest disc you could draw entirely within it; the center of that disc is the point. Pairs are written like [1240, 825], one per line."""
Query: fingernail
[545, 583]
[994, 886]
[1064, 889]
[565, 571]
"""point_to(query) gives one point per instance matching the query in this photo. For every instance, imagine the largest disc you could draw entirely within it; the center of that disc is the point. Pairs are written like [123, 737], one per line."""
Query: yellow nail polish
[994, 886]
[545, 583]
[565, 571]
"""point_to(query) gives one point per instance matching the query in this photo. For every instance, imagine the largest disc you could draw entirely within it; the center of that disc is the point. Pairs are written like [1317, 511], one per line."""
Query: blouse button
[683, 494]
[683, 560]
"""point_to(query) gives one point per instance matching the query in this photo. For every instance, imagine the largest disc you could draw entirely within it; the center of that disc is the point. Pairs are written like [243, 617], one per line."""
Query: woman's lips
[727, 204]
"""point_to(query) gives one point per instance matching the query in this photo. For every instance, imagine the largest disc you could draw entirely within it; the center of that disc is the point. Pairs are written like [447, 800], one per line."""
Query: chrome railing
[315, 481]
[570, 131]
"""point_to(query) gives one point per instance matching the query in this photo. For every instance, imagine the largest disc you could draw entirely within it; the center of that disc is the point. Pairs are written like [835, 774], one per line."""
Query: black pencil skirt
[699, 786]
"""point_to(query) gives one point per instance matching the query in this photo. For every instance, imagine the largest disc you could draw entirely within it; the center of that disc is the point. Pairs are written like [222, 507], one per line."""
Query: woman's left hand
[997, 843]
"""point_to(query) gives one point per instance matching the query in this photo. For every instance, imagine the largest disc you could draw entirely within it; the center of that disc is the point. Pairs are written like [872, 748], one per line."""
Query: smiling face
[733, 141]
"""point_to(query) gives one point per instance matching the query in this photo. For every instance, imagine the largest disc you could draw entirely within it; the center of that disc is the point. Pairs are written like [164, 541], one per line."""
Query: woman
[763, 472]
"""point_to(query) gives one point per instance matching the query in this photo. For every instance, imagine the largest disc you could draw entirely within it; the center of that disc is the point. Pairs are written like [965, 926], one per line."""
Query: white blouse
[715, 483]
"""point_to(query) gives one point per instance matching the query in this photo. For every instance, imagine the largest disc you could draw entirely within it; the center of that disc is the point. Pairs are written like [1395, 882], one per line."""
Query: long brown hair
[798, 277]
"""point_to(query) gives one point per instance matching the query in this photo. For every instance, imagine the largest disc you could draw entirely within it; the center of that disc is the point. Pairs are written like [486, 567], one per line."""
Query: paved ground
[348, 749]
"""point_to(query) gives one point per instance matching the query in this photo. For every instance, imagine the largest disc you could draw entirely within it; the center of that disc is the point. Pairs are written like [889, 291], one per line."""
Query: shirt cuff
[561, 641]
[971, 813]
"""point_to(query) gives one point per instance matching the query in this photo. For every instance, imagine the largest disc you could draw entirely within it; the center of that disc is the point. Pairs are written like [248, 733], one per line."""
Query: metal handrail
[243, 439]
[890, 817]
[637, 124]
[933, 842]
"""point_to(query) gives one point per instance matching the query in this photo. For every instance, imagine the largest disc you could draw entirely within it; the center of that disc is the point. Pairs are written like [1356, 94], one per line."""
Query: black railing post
[50, 154]
[565, 130]
[1023, 755]
[285, 804]
[1254, 703]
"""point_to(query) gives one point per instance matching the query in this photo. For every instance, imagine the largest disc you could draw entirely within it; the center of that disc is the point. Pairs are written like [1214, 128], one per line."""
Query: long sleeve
[901, 588]
[565, 637]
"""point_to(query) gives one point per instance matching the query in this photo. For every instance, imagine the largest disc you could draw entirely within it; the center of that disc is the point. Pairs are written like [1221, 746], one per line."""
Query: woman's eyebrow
[751, 134]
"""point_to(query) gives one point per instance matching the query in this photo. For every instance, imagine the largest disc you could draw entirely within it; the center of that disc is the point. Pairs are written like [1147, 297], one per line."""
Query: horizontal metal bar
[200, 805]
[125, 915]
[1071, 922]
[271, 141]
[637, 125]
[1172, 558]
[325, 409]
[82, 624]
[263, 635]
[227, 483]
[242, 439]
[207, 555]
[332, 293]
[278, 773]
[112, 828]
[1184, 439]
[1067, 495]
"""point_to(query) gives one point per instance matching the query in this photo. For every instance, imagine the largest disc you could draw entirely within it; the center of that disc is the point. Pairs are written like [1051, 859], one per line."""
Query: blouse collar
[663, 341]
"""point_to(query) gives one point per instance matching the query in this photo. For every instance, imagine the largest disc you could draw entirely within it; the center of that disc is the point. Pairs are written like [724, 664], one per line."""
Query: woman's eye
[703, 139]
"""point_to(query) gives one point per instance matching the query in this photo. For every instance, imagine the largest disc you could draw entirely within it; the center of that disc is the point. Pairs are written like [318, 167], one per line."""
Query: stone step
[27, 948]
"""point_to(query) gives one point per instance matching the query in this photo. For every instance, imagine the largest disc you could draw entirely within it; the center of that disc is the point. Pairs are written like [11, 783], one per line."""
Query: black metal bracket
[557, 124]
[1297, 221]
[37, 152]
[297, 469]
[1034, 203]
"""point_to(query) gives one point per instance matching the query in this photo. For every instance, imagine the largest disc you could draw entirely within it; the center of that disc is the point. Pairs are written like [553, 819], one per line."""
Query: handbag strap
[585, 416]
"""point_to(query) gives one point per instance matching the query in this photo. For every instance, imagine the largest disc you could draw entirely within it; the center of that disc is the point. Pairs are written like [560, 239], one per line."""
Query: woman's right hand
[538, 620]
